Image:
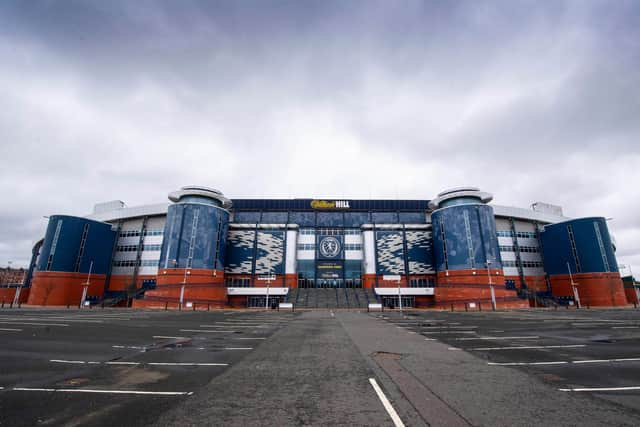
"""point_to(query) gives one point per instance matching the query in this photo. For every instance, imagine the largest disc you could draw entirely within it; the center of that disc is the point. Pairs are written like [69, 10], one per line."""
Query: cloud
[131, 100]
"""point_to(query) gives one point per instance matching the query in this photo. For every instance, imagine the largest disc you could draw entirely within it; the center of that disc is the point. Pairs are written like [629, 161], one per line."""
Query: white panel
[306, 254]
[525, 226]
[508, 256]
[290, 266]
[510, 271]
[156, 223]
[132, 224]
[404, 291]
[369, 247]
[148, 271]
[306, 238]
[352, 239]
[357, 255]
[505, 241]
[525, 241]
[503, 224]
[530, 256]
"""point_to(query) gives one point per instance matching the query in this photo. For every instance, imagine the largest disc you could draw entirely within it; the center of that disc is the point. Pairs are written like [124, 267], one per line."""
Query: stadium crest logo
[329, 247]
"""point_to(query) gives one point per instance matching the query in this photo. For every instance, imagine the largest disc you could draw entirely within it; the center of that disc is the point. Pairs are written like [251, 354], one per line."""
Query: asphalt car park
[320, 367]
[73, 367]
[595, 352]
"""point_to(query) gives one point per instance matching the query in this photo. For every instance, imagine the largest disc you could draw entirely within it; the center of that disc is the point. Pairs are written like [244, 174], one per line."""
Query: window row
[521, 234]
[530, 249]
[525, 264]
[134, 263]
[136, 233]
[422, 283]
[306, 247]
[312, 247]
[134, 248]
[237, 282]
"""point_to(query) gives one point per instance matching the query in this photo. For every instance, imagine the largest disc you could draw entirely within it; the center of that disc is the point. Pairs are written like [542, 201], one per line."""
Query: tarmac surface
[137, 367]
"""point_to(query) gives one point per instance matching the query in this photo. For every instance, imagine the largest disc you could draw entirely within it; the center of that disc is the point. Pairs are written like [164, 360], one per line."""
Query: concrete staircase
[330, 298]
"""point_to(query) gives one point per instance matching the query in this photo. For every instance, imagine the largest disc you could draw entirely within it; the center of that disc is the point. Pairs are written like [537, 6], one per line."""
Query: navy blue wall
[462, 254]
[557, 249]
[209, 242]
[62, 252]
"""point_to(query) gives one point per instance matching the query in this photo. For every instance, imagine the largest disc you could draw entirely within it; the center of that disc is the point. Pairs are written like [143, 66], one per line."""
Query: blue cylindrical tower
[464, 236]
[579, 258]
[196, 230]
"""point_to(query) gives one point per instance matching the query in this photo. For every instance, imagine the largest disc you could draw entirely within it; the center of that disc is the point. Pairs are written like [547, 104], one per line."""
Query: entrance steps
[329, 298]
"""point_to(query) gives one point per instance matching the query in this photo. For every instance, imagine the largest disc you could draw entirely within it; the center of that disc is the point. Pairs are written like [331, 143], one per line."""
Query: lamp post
[574, 287]
[86, 286]
[266, 301]
[399, 294]
[493, 292]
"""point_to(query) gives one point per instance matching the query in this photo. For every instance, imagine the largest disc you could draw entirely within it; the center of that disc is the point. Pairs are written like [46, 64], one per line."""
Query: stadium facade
[206, 250]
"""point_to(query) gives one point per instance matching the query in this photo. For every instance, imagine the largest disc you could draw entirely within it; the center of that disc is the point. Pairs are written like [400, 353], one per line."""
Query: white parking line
[33, 324]
[447, 332]
[524, 337]
[630, 359]
[10, 330]
[163, 337]
[81, 362]
[232, 326]
[238, 348]
[526, 363]
[248, 338]
[135, 347]
[387, 405]
[601, 389]
[625, 327]
[530, 347]
[79, 390]
[204, 330]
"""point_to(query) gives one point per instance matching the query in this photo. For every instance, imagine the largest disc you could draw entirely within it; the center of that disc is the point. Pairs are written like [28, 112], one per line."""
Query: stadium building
[204, 250]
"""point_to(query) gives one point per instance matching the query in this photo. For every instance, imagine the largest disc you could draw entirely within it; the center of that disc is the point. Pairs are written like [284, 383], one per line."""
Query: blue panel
[468, 234]
[246, 217]
[303, 219]
[61, 250]
[275, 217]
[593, 253]
[385, 217]
[306, 268]
[330, 219]
[195, 237]
[390, 252]
[352, 269]
[240, 251]
[330, 247]
[419, 252]
[413, 217]
[270, 252]
[356, 219]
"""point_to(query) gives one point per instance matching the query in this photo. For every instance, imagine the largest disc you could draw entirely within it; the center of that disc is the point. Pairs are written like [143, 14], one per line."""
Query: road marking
[387, 405]
[430, 339]
[234, 326]
[204, 330]
[601, 389]
[80, 390]
[162, 337]
[630, 359]
[447, 332]
[529, 347]
[129, 346]
[238, 348]
[625, 327]
[33, 324]
[186, 364]
[10, 330]
[531, 337]
[526, 363]
[248, 338]
[448, 327]
[139, 363]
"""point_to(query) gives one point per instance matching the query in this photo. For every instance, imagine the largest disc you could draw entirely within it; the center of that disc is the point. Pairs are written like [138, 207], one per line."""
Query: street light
[493, 292]
[86, 286]
[574, 287]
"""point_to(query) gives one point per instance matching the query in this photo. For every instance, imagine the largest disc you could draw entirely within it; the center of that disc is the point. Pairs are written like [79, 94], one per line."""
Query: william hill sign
[330, 204]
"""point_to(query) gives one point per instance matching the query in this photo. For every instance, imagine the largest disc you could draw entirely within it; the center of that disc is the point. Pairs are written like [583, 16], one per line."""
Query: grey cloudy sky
[529, 100]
